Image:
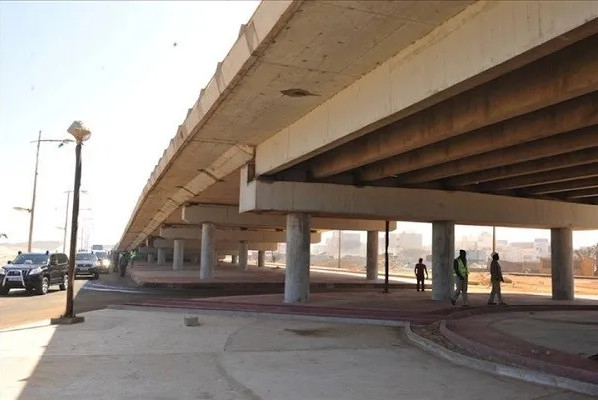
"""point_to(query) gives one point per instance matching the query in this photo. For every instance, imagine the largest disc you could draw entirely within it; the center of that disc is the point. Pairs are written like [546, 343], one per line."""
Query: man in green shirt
[461, 273]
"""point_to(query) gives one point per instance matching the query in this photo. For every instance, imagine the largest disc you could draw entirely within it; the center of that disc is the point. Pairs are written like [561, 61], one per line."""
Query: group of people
[121, 259]
[461, 274]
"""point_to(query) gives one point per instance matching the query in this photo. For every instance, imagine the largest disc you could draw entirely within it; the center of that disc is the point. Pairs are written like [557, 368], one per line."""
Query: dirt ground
[534, 284]
[478, 280]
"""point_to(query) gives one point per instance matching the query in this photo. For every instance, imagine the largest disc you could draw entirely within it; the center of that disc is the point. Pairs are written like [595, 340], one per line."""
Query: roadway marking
[110, 288]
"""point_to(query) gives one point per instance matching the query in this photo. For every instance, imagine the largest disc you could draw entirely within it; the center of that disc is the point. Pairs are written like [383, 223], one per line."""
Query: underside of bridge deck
[532, 132]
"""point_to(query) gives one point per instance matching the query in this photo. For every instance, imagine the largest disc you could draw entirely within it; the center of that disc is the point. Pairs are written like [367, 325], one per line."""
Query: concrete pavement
[137, 354]
[227, 276]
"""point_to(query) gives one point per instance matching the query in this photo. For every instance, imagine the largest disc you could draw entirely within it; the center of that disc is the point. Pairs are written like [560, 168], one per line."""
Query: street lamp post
[32, 209]
[81, 134]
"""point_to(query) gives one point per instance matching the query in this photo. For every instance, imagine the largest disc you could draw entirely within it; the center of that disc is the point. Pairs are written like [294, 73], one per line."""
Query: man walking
[495, 278]
[419, 270]
[461, 272]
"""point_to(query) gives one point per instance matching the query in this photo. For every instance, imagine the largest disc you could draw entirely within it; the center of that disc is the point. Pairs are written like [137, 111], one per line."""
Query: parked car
[35, 272]
[104, 261]
[87, 264]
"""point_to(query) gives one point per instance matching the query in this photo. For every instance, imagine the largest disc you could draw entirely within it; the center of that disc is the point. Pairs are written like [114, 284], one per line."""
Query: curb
[276, 287]
[481, 349]
[526, 375]
[253, 314]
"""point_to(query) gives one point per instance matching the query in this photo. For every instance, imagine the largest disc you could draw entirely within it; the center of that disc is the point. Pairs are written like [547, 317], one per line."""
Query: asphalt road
[19, 307]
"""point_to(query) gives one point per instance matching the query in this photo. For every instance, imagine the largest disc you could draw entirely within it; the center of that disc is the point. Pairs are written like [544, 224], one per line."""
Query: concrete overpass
[465, 112]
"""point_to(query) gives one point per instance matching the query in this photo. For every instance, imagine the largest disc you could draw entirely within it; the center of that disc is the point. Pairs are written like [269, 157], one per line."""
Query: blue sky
[114, 66]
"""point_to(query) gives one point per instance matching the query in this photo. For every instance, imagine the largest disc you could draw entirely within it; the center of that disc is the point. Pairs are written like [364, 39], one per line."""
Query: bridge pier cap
[407, 204]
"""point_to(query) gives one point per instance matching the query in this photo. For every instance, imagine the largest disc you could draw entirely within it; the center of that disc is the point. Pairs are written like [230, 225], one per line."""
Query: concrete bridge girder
[194, 246]
[408, 204]
[194, 233]
[379, 97]
[230, 216]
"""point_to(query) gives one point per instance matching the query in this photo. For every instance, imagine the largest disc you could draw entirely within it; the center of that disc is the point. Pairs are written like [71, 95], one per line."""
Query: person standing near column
[495, 278]
[419, 270]
[460, 267]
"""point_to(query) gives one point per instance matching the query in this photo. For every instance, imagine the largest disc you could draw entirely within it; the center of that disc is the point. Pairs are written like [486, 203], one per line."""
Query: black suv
[35, 272]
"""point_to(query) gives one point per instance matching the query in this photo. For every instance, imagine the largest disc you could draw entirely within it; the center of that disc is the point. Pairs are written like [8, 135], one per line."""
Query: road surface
[19, 307]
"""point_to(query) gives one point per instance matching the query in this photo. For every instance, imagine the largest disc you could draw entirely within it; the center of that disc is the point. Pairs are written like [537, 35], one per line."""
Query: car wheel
[4, 290]
[65, 282]
[44, 286]
[96, 276]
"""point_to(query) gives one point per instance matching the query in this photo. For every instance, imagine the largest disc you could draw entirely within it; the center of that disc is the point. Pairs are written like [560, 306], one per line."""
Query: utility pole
[32, 209]
[32, 213]
[493, 239]
[339, 249]
[387, 228]
[66, 220]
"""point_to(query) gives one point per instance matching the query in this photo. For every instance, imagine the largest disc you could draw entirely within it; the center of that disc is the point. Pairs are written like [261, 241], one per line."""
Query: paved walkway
[533, 331]
[530, 332]
[270, 277]
[561, 342]
[124, 354]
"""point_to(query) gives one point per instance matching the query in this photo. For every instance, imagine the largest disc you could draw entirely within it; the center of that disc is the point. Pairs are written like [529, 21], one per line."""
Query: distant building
[406, 240]
[350, 244]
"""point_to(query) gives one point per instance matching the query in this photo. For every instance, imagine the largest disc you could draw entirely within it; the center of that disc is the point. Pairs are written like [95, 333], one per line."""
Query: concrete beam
[564, 174]
[579, 194]
[194, 232]
[220, 245]
[548, 81]
[405, 204]
[230, 216]
[572, 159]
[563, 186]
[432, 70]
[567, 142]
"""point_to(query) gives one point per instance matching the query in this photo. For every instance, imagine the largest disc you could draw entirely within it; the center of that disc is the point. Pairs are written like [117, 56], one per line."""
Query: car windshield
[31, 259]
[85, 256]
[101, 254]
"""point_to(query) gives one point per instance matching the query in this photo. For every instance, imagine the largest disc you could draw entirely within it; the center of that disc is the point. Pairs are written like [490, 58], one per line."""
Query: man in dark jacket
[419, 271]
[495, 278]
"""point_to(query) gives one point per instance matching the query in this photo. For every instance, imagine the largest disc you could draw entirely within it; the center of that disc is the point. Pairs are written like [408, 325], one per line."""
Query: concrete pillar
[243, 255]
[371, 266]
[234, 259]
[443, 254]
[208, 251]
[561, 249]
[161, 256]
[150, 258]
[261, 258]
[179, 254]
[296, 281]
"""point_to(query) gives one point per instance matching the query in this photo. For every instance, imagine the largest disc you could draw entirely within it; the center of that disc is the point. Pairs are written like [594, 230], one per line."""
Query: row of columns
[298, 258]
[208, 255]
[443, 254]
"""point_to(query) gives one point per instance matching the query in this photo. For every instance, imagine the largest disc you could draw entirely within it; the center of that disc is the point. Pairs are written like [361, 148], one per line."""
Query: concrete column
[243, 255]
[161, 256]
[150, 258]
[208, 251]
[371, 267]
[443, 254]
[296, 281]
[178, 254]
[561, 249]
[234, 259]
[261, 258]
